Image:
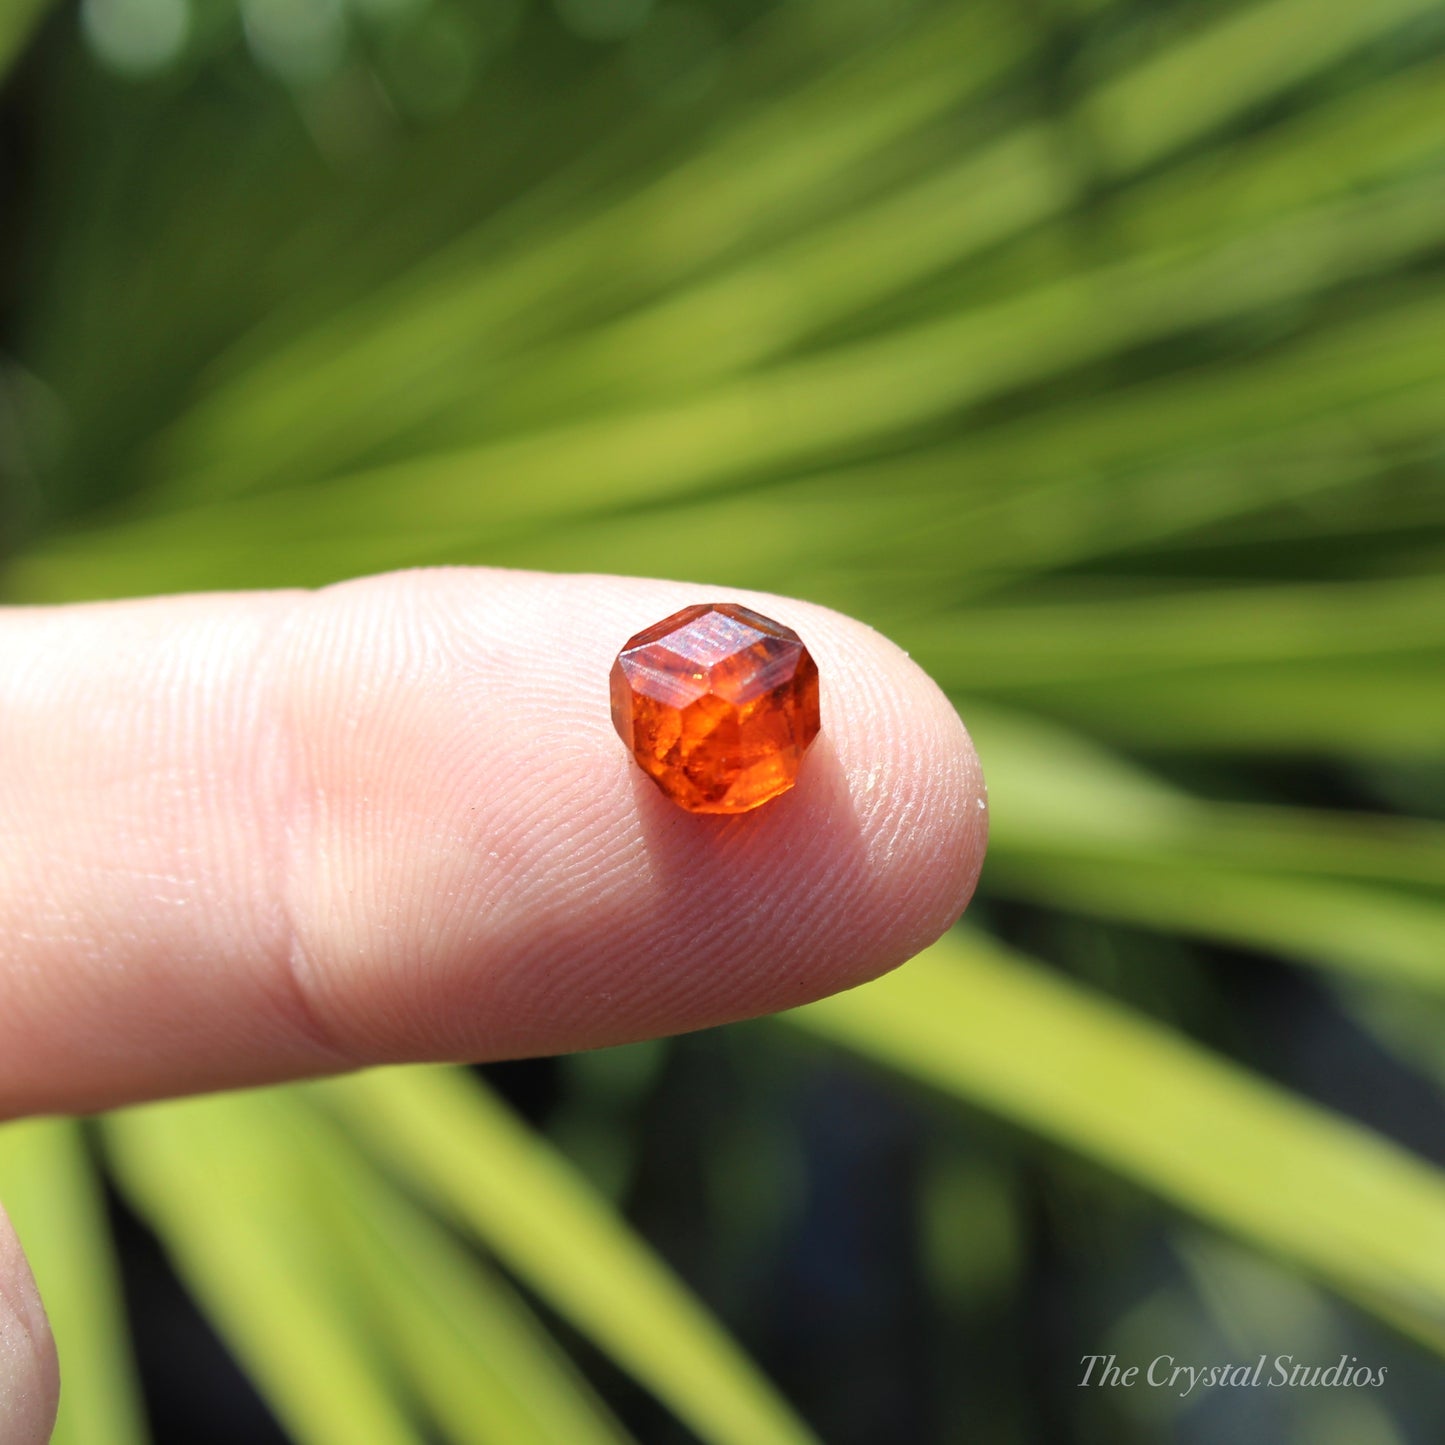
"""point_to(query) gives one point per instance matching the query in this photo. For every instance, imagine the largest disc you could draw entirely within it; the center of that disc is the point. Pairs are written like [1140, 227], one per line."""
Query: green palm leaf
[489, 1174]
[1328, 1195]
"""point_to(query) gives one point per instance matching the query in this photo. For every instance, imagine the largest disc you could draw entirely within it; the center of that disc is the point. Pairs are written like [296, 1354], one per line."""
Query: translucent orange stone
[718, 705]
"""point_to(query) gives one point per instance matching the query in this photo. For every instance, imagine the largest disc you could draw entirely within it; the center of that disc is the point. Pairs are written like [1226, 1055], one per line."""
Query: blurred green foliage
[1093, 349]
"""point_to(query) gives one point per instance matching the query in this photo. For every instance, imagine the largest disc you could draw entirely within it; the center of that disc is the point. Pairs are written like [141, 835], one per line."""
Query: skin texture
[257, 836]
[29, 1375]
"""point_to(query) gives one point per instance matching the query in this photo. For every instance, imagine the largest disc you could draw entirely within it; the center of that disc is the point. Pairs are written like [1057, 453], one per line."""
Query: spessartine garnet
[718, 704]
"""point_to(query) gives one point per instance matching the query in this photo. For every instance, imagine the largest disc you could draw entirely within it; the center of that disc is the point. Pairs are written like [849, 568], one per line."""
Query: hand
[258, 836]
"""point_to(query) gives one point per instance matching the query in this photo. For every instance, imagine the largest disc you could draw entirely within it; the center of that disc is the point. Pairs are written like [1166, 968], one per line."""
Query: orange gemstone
[718, 705]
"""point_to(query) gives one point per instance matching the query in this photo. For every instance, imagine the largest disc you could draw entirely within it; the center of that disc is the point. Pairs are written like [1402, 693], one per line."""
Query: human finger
[29, 1374]
[247, 837]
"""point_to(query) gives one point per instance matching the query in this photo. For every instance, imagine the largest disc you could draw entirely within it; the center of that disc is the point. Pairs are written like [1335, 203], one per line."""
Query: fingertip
[29, 1368]
[937, 807]
[515, 885]
[908, 828]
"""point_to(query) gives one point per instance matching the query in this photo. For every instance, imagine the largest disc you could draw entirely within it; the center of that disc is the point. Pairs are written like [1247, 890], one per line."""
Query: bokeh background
[1092, 349]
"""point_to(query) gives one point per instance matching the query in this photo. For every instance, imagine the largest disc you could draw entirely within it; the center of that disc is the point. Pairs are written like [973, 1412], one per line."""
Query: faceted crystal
[718, 704]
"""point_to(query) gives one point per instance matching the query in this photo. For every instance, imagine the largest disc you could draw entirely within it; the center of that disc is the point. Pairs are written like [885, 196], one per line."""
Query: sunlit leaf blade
[1063, 791]
[1253, 52]
[759, 309]
[1302, 423]
[1113, 640]
[1078, 828]
[784, 418]
[1316, 1189]
[752, 314]
[53, 1196]
[481, 1167]
[1369, 931]
[223, 1192]
[1385, 706]
[474, 1354]
[508, 288]
[1351, 667]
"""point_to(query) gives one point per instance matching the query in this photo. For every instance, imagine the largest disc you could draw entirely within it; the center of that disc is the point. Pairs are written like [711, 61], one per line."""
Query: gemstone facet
[717, 704]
